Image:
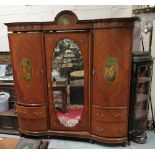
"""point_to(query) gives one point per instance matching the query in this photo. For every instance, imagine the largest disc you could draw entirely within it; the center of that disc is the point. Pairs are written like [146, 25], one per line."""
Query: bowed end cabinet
[72, 77]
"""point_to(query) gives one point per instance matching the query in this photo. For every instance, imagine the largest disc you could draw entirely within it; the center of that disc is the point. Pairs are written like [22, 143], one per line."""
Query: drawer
[109, 114]
[32, 118]
[31, 112]
[109, 129]
[5, 59]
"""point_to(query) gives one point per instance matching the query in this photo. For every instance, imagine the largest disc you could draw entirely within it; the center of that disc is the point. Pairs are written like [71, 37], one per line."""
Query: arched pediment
[66, 18]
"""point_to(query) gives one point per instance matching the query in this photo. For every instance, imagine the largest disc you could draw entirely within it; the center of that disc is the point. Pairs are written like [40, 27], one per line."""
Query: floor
[70, 143]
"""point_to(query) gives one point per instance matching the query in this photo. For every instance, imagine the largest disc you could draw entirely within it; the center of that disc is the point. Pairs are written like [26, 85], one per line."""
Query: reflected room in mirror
[68, 82]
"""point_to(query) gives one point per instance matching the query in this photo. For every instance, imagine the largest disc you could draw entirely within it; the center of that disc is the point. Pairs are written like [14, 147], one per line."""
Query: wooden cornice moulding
[67, 20]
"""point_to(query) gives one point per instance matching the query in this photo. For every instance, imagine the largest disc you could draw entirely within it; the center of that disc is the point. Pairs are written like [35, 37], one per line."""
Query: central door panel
[67, 61]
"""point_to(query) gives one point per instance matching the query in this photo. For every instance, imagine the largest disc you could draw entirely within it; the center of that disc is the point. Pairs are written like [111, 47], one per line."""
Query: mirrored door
[67, 58]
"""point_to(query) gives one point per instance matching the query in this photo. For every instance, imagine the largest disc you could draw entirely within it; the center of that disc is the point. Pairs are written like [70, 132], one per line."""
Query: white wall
[48, 13]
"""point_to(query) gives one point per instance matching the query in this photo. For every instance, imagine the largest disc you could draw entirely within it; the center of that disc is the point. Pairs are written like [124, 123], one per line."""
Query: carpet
[72, 117]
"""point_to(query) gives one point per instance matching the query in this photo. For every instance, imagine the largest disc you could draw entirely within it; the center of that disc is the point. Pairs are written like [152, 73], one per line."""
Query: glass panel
[142, 97]
[68, 82]
[144, 73]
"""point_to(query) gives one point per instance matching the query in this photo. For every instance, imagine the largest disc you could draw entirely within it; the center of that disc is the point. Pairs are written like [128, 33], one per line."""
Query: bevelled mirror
[68, 82]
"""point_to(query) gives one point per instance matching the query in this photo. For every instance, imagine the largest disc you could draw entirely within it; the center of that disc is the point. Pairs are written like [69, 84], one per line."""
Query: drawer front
[32, 118]
[31, 112]
[109, 129]
[5, 59]
[109, 115]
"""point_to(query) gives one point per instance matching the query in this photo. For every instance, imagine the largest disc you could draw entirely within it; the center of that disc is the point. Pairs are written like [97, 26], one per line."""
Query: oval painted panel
[26, 69]
[64, 20]
[68, 82]
[111, 69]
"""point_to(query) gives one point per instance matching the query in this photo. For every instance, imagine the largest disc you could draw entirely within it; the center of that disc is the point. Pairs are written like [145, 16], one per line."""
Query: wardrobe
[72, 77]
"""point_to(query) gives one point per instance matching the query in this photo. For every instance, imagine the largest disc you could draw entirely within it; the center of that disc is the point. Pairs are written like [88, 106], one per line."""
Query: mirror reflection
[68, 82]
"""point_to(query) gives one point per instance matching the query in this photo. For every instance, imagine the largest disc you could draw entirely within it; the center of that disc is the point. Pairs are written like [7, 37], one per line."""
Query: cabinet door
[28, 72]
[112, 67]
[67, 60]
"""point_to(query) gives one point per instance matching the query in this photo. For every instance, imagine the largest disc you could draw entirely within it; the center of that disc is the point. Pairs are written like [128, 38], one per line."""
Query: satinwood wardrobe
[72, 77]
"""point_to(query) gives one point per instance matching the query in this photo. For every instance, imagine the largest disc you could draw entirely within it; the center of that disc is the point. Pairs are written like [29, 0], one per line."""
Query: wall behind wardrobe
[48, 13]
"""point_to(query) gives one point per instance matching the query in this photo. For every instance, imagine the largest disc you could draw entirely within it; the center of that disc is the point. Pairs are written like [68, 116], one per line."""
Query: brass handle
[99, 115]
[37, 113]
[118, 130]
[117, 116]
[99, 129]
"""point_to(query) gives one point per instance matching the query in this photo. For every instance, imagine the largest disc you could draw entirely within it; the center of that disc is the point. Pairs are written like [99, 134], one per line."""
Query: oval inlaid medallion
[26, 69]
[111, 69]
